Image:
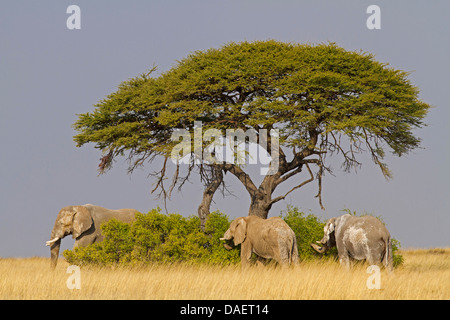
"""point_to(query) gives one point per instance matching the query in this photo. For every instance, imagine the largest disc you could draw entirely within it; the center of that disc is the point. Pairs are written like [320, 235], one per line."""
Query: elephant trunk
[54, 253]
[54, 243]
[226, 245]
[319, 249]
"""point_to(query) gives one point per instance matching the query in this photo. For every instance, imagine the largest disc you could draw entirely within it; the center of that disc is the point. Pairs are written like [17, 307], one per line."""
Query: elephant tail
[388, 259]
[293, 256]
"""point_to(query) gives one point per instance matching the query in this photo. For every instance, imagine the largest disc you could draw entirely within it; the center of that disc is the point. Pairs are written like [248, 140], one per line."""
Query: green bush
[396, 256]
[157, 237]
[308, 229]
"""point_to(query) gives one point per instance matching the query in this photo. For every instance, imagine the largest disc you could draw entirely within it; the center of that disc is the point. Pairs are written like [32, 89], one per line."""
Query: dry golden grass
[425, 275]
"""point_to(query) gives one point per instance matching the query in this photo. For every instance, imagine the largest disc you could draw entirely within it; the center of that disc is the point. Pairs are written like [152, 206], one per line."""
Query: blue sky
[49, 74]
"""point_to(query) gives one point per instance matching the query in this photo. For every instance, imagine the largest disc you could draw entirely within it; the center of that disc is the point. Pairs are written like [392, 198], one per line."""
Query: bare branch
[296, 187]
[319, 178]
[174, 179]
[384, 168]
[349, 156]
[288, 175]
[242, 176]
[190, 168]
[160, 184]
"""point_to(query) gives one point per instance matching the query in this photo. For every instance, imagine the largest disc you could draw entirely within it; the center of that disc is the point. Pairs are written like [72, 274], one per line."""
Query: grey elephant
[358, 238]
[268, 238]
[83, 222]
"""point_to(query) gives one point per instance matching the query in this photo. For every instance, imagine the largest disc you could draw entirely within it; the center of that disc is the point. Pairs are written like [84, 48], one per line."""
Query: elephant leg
[260, 262]
[373, 258]
[246, 253]
[371, 261]
[283, 258]
[84, 240]
[387, 258]
[344, 260]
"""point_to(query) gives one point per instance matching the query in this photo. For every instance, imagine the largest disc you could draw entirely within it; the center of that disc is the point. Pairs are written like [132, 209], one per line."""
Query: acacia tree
[323, 100]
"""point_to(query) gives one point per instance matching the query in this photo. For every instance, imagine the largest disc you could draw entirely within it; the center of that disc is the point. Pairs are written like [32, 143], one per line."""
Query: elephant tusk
[50, 242]
[222, 239]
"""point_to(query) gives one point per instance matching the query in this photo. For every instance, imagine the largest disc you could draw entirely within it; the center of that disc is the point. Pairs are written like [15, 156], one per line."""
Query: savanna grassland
[425, 274]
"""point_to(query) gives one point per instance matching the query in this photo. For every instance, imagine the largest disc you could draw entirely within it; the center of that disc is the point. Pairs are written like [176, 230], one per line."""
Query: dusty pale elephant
[268, 238]
[360, 238]
[83, 222]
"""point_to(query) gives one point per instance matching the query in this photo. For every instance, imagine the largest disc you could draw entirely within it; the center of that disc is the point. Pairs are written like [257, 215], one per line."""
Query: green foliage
[301, 89]
[158, 238]
[308, 229]
[397, 258]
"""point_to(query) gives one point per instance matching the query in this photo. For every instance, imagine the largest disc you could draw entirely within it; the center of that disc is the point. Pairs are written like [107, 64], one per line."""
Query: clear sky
[49, 74]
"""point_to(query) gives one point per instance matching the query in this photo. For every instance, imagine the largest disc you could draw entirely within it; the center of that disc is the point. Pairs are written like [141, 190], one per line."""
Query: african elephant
[358, 238]
[268, 238]
[83, 222]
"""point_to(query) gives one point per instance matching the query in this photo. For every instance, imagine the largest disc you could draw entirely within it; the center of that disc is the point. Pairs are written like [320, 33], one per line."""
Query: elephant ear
[82, 221]
[240, 232]
[331, 226]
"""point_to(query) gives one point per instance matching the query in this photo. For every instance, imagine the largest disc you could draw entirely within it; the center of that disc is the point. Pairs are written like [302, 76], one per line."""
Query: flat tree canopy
[323, 100]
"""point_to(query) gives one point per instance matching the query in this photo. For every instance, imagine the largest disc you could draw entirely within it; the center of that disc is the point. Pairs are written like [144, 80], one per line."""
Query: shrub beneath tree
[155, 237]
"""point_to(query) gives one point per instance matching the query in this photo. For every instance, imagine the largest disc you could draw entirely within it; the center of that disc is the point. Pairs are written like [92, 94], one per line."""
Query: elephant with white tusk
[360, 238]
[268, 238]
[83, 223]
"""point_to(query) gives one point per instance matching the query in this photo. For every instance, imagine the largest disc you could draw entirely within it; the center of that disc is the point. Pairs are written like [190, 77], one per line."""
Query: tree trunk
[261, 198]
[203, 208]
[260, 204]
[259, 208]
[208, 194]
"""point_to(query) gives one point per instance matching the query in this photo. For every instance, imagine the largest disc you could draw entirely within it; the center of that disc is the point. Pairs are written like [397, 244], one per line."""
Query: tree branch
[384, 168]
[296, 187]
[288, 175]
[160, 183]
[212, 184]
[242, 176]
